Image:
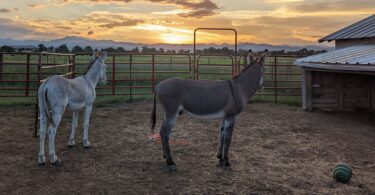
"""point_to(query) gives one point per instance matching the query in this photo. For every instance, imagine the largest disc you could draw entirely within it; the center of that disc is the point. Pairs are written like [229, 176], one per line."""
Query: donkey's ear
[250, 57]
[263, 56]
[95, 54]
[103, 56]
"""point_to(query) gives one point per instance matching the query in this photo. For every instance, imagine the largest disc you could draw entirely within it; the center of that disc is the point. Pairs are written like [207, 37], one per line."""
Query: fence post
[113, 74]
[275, 79]
[74, 66]
[1, 66]
[153, 73]
[130, 76]
[37, 101]
[27, 76]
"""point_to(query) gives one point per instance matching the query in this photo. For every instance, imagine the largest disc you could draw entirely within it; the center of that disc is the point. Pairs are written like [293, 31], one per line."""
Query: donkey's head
[258, 61]
[99, 62]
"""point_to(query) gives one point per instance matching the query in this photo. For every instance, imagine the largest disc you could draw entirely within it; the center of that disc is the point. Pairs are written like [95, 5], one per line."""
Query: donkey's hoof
[41, 160]
[87, 147]
[57, 162]
[172, 168]
[227, 168]
[42, 163]
[220, 163]
[71, 143]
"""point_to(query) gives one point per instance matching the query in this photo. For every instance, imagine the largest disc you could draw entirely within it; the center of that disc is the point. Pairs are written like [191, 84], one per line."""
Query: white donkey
[58, 93]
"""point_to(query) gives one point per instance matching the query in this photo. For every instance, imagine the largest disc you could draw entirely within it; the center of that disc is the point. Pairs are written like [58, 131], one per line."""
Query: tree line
[145, 49]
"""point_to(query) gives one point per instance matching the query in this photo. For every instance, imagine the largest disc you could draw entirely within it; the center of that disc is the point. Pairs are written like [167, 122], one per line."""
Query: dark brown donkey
[208, 99]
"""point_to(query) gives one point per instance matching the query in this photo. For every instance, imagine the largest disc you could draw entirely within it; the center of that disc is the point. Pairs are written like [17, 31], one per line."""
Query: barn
[344, 78]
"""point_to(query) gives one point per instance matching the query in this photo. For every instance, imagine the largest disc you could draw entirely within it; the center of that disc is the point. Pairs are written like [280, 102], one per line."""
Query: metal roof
[362, 29]
[355, 58]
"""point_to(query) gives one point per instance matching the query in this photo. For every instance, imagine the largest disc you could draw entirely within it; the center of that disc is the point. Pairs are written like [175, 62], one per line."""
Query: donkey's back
[73, 93]
[207, 99]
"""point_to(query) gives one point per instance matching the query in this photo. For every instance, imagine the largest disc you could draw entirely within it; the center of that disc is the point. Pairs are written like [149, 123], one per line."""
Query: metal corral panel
[362, 29]
[354, 55]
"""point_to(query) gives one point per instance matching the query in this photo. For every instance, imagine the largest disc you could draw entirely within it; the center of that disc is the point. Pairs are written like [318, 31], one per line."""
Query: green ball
[342, 173]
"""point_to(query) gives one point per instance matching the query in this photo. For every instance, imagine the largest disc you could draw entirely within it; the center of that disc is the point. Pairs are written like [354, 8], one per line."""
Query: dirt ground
[276, 149]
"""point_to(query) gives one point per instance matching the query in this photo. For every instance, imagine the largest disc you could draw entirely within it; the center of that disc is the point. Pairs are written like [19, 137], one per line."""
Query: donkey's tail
[153, 114]
[44, 103]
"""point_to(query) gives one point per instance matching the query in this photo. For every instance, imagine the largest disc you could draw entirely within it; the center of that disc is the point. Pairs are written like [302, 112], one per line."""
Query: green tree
[62, 49]
[109, 49]
[7, 48]
[120, 49]
[88, 49]
[50, 48]
[135, 50]
[42, 47]
[77, 49]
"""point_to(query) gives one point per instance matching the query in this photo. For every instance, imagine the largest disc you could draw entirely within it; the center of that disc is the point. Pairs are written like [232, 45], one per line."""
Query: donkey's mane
[90, 65]
[247, 67]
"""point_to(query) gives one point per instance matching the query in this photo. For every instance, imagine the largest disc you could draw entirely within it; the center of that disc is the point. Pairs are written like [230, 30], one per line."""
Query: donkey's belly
[75, 106]
[213, 115]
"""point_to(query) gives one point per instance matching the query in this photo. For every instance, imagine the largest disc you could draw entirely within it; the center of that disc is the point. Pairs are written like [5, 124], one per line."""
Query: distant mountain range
[72, 41]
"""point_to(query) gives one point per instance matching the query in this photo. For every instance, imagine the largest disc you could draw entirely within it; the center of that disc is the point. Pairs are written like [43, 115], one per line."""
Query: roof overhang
[341, 68]
[359, 59]
[361, 29]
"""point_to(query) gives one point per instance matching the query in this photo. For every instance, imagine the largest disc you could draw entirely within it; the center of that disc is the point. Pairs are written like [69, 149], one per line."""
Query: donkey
[58, 93]
[207, 100]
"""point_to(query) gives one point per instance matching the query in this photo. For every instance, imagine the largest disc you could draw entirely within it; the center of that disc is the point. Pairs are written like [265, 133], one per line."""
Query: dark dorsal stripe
[90, 65]
[232, 90]
[244, 70]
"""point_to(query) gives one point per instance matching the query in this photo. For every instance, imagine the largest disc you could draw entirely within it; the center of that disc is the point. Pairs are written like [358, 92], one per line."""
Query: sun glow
[175, 38]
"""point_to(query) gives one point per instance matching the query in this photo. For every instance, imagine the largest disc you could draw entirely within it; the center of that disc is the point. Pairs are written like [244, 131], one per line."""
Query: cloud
[126, 22]
[37, 5]
[5, 10]
[197, 14]
[14, 29]
[333, 5]
[196, 8]
[90, 32]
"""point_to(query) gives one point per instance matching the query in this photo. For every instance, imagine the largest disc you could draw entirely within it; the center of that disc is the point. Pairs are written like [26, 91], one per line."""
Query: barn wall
[353, 42]
[338, 91]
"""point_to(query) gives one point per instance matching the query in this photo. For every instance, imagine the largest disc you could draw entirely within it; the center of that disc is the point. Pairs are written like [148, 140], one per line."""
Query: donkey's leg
[86, 121]
[165, 133]
[73, 128]
[56, 117]
[221, 143]
[42, 137]
[228, 130]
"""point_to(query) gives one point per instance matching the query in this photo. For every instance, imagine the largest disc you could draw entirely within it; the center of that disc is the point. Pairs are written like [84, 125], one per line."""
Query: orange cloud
[126, 22]
[5, 10]
[333, 5]
[196, 8]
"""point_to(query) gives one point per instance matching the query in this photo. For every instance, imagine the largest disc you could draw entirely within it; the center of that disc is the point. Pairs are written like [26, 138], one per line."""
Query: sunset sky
[292, 22]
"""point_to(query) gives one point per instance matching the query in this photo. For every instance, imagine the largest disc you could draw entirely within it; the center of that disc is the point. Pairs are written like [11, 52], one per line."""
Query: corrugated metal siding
[362, 29]
[364, 54]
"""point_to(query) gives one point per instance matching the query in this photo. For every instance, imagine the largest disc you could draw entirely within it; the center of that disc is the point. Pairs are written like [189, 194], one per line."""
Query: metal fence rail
[137, 74]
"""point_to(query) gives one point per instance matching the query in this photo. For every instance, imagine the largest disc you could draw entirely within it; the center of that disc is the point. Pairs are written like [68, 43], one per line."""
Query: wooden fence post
[27, 75]
[130, 77]
[1, 66]
[37, 101]
[275, 79]
[113, 74]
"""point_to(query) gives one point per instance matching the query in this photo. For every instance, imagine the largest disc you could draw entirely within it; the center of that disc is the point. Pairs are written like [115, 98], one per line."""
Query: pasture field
[276, 149]
[133, 75]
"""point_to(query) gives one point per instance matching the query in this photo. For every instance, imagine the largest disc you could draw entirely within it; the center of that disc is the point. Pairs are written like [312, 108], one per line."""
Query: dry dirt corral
[276, 149]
